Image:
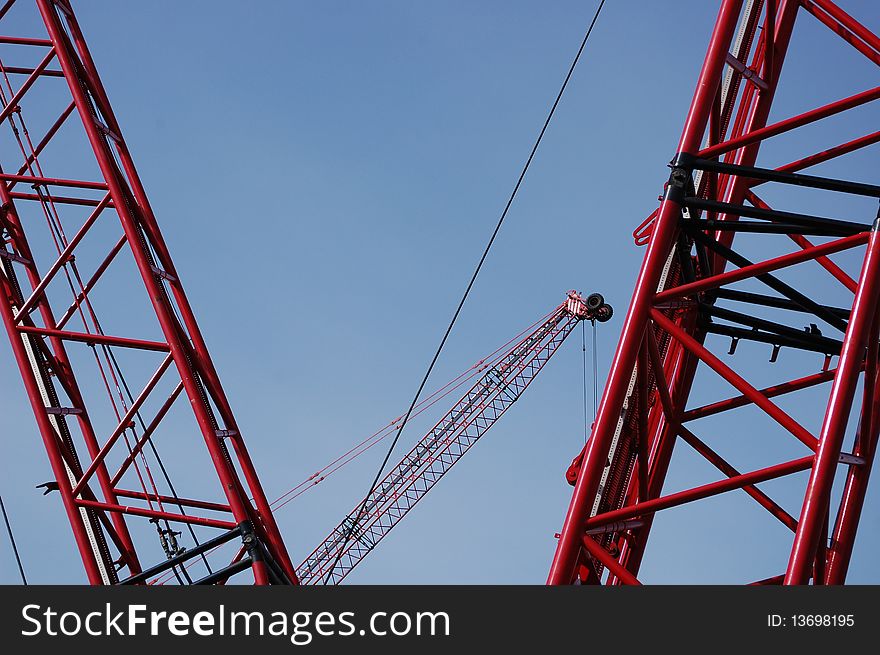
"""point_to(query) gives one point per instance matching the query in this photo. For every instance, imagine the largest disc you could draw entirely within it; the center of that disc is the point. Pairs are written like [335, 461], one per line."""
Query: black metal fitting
[48, 487]
[594, 301]
[604, 313]
[679, 178]
[683, 160]
[182, 557]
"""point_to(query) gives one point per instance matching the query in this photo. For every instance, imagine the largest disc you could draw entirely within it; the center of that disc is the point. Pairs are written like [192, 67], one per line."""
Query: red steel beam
[816, 498]
[51, 379]
[701, 492]
[99, 272]
[766, 266]
[63, 259]
[774, 580]
[839, 29]
[147, 434]
[768, 392]
[677, 294]
[848, 22]
[264, 520]
[54, 429]
[155, 514]
[605, 558]
[61, 200]
[570, 541]
[23, 40]
[174, 500]
[51, 132]
[103, 339]
[725, 467]
[53, 181]
[856, 484]
[737, 381]
[827, 154]
[124, 425]
[47, 432]
[80, 75]
[26, 70]
[791, 123]
[12, 105]
[835, 270]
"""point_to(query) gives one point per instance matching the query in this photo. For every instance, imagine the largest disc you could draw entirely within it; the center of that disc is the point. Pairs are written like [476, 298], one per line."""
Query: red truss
[105, 339]
[697, 290]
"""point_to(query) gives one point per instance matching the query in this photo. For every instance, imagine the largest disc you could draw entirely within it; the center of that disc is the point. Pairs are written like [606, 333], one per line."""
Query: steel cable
[12, 541]
[469, 287]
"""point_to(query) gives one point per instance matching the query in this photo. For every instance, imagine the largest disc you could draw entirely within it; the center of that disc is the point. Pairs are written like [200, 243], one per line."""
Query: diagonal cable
[467, 290]
[12, 541]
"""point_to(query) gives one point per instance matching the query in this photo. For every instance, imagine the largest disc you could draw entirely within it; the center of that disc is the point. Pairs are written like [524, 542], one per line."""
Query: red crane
[107, 344]
[698, 290]
[104, 388]
[105, 340]
[498, 387]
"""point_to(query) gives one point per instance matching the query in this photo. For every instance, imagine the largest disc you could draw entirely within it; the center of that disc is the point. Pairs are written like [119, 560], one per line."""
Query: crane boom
[460, 428]
[720, 269]
[81, 255]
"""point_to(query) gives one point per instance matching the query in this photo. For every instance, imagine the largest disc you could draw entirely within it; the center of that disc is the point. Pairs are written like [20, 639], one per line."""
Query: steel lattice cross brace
[91, 300]
[696, 285]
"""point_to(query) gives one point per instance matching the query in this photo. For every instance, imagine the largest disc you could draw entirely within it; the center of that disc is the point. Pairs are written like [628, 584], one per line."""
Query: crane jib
[453, 435]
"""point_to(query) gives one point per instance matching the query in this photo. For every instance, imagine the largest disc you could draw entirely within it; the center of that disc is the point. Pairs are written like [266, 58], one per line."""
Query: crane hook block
[591, 308]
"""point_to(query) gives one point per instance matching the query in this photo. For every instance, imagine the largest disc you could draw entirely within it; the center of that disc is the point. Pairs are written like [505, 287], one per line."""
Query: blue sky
[326, 175]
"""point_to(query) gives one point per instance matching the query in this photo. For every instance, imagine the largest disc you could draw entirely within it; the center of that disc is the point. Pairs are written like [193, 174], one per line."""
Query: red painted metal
[94, 423]
[722, 465]
[843, 389]
[766, 266]
[853, 496]
[665, 229]
[792, 123]
[690, 278]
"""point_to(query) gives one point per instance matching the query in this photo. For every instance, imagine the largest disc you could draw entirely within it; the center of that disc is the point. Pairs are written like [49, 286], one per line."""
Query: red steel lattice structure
[685, 293]
[66, 164]
[101, 437]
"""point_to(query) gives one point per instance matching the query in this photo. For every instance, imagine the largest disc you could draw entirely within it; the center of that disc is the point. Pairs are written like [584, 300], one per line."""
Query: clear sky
[327, 173]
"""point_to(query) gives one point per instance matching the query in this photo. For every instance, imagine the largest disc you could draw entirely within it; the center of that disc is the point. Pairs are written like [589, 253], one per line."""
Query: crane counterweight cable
[468, 289]
[595, 374]
[12, 541]
[584, 361]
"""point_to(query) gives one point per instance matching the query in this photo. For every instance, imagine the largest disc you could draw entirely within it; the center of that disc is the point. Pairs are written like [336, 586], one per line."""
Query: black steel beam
[763, 337]
[182, 557]
[225, 573]
[772, 301]
[276, 573]
[817, 340]
[773, 215]
[811, 306]
[798, 179]
[765, 228]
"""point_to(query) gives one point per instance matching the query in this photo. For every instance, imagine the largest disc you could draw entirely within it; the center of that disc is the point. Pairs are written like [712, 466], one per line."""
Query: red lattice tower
[696, 283]
[105, 339]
